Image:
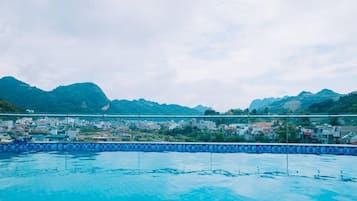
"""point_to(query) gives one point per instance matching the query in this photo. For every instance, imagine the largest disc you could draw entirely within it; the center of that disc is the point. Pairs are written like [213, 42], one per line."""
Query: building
[328, 134]
[5, 138]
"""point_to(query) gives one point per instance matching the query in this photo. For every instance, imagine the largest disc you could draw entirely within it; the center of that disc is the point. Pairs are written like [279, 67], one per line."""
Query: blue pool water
[175, 176]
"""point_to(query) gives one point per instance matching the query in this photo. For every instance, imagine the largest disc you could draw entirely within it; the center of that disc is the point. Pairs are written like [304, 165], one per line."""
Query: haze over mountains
[16, 95]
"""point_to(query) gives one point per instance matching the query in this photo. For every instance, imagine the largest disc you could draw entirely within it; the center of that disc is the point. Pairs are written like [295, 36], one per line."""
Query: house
[328, 134]
[172, 125]
[72, 134]
[5, 138]
[307, 132]
[24, 121]
[206, 125]
[348, 134]
[7, 125]
[243, 129]
[262, 128]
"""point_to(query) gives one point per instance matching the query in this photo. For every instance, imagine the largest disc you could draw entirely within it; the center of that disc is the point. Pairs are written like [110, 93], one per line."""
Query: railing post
[287, 145]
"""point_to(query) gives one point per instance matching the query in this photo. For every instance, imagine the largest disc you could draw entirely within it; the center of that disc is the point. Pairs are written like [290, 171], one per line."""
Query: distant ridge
[142, 106]
[345, 104]
[298, 103]
[258, 104]
[88, 98]
[202, 108]
[79, 98]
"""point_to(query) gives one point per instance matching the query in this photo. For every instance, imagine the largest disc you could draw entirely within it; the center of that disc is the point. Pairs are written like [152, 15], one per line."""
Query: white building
[53, 131]
[4, 137]
[207, 125]
[24, 121]
[72, 134]
[8, 125]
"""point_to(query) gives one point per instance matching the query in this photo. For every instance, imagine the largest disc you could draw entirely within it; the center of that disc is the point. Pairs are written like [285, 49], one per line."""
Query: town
[48, 129]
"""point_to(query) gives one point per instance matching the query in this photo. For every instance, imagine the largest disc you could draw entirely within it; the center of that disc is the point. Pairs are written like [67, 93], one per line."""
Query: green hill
[79, 98]
[6, 106]
[23, 95]
[259, 104]
[298, 103]
[143, 106]
[345, 104]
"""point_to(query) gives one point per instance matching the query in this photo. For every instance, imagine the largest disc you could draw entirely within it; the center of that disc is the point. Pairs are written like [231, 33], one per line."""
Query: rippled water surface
[175, 176]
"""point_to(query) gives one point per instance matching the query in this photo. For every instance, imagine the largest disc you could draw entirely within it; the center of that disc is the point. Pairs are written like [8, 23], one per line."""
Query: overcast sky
[222, 54]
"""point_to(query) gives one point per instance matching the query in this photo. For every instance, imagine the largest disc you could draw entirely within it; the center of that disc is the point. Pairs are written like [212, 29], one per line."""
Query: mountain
[298, 103]
[327, 93]
[80, 98]
[21, 94]
[202, 108]
[345, 104]
[262, 103]
[76, 98]
[6, 106]
[142, 106]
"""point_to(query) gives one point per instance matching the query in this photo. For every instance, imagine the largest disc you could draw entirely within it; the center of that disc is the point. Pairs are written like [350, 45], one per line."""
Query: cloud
[219, 53]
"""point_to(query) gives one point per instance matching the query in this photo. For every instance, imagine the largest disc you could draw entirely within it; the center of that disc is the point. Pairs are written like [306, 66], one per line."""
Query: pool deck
[258, 148]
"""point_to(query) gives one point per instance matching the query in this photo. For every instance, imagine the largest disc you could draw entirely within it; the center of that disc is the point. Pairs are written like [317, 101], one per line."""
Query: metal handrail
[176, 116]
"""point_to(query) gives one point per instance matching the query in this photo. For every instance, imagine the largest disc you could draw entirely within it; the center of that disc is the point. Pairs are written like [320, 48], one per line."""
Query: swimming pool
[102, 176]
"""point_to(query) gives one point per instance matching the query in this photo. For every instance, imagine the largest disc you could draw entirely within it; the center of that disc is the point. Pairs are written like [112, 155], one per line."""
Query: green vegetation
[345, 104]
[89, 98]
[292, 104]
[6, 106]
[76, 98]
[21, 94]
[293, 133]
[142, 106]
[211, 112]
[79, 98]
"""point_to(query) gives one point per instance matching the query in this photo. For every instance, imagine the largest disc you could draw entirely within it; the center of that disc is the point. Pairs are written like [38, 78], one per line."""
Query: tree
[253, 112]
[211, 112]
[266, 110]
[218, 137]
[6, 106]
[235, 112]
[334, 121]
[293, 133]
[305, 121]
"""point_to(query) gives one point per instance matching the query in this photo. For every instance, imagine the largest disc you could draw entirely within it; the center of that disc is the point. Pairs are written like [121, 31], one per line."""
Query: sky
[222, 54]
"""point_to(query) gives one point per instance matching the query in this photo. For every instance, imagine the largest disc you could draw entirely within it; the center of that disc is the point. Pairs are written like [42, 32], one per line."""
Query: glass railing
[223, 144]
[317, 129]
